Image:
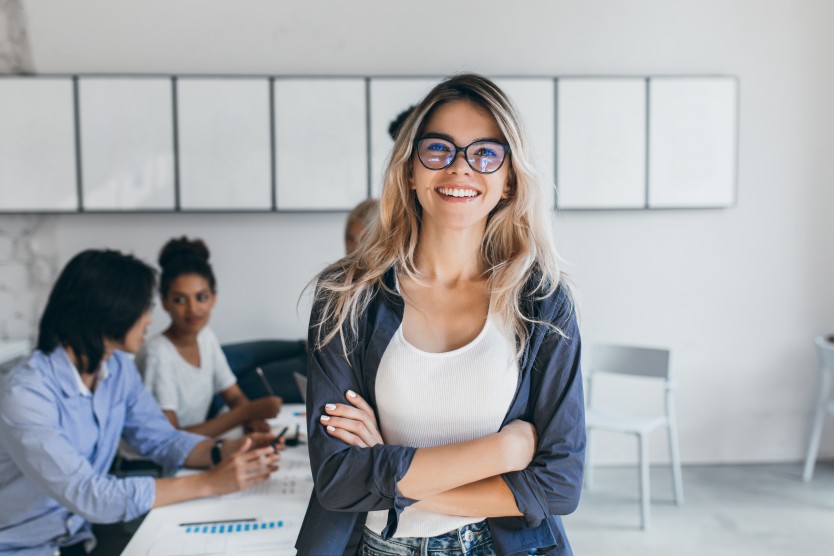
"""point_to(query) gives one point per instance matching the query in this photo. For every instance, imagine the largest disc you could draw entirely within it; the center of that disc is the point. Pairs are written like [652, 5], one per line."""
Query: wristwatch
[215, 451]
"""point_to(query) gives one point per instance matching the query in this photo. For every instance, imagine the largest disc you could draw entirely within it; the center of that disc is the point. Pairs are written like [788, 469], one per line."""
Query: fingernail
[331, 428]
[330, 406]
[325, 417]
[351, 393]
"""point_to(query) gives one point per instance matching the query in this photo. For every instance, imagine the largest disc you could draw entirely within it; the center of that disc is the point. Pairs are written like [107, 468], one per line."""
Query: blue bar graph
[231, 527]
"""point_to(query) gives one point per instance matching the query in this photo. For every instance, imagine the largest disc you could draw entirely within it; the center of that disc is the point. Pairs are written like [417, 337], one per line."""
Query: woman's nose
[454, 167]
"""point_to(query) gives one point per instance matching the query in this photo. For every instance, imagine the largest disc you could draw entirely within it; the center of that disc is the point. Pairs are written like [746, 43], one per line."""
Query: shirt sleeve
[551, 484]
[223, 376]
[30, 429]
[148, 431]
[349, 478]
[157, 375]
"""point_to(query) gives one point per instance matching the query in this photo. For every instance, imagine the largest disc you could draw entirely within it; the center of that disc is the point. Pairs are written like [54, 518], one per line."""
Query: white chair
[640, 362]
[825, 353]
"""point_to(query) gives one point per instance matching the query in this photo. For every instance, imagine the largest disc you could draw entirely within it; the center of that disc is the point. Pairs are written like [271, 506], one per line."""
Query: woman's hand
[354, 424]
[245, 463]
[256, 440]
[264, 408]
[256, 425]
[520, 444]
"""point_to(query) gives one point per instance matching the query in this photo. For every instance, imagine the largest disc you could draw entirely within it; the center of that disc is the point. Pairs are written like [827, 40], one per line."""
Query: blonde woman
[445, 395]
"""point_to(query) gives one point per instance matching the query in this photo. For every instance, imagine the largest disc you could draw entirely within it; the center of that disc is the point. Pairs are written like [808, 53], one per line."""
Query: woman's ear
[409, 177]
[509, 188]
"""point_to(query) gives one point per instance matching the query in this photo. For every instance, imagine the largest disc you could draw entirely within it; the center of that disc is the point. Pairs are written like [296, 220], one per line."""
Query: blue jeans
[469, 540]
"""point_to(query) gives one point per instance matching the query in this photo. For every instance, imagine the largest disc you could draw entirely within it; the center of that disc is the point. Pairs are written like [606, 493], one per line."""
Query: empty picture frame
[534, 98]
[321, 143]
[224, 144]
[37, 145]
[389, 97]
[601, 143]
[692, 142]
[127, 143]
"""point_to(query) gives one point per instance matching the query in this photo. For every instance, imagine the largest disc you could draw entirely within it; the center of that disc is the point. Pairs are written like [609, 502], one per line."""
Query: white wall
[737, 294]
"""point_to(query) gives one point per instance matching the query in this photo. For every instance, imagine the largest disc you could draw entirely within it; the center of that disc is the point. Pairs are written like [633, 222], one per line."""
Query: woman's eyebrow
[177, 292]
[451, 140]
[438, 136]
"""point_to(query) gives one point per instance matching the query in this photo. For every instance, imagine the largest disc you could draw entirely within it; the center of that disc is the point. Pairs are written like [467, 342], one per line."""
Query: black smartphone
[277, 438]
[294, 440]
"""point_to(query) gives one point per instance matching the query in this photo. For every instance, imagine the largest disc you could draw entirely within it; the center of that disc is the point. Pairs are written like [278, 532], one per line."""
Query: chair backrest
[825, 353]
[627, 360]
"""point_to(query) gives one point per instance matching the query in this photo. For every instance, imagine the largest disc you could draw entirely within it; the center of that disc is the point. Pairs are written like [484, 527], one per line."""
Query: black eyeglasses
[485, 157]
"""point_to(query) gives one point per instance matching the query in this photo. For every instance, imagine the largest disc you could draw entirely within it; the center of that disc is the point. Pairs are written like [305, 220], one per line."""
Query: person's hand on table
[264, 408]
[244, 462]
[256, 425]
[353, 424]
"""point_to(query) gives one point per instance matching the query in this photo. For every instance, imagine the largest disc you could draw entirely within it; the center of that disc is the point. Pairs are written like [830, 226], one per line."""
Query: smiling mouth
[459, 192]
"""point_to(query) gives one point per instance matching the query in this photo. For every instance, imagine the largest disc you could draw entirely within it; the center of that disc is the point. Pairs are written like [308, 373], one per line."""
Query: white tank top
[433, 399]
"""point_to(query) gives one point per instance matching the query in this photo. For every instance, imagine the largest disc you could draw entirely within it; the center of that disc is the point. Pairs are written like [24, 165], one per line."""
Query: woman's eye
[439, 147]
[179, 300]
[202, 297]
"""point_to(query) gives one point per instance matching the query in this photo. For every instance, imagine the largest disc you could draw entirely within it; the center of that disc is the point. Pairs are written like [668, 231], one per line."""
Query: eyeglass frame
[459, 150]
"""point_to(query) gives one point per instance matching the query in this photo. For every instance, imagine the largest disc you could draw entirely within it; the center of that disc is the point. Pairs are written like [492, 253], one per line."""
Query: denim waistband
[457, 541]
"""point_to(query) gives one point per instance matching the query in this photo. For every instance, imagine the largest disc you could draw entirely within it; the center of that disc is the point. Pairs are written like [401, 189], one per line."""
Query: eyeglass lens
[484, 157]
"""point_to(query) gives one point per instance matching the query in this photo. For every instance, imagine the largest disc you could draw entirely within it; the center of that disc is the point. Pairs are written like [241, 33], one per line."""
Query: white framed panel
[223, 130]
[37, 145]
[692, 142]
[127, 143]
[601, 143]
[535, 99]
[321, 154]
[389, 98]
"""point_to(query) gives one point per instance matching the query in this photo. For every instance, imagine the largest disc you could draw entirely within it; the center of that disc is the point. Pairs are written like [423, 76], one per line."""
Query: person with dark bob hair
[184, 367]
[64, 409]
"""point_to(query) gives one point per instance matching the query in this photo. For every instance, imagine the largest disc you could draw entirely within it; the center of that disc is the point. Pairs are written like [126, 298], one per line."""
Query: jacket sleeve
[551, 484]
[348, 478]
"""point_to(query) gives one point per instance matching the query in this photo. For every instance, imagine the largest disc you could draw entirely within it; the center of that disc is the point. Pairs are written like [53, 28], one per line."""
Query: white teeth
[457, 192]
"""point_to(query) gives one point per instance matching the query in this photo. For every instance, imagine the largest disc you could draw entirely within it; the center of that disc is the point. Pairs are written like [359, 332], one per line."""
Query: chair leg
[589, 470]
[816, 429]
[674, 455]
[814, 444]
[645, 497]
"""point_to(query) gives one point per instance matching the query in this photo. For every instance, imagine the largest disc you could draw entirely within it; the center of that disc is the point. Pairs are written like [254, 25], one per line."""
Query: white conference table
[260, 521]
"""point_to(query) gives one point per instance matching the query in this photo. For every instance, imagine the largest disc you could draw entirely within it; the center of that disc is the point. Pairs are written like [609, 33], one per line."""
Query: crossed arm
[500, 475]
[446, 479]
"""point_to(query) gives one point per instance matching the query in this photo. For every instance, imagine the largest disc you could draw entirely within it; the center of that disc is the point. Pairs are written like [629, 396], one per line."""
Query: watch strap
[215, 451]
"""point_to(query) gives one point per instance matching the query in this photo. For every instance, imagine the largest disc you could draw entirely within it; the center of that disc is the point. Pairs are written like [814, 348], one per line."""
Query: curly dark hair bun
[184, 256]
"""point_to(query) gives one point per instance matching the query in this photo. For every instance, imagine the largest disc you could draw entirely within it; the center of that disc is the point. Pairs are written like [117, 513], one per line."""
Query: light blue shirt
[57, 442]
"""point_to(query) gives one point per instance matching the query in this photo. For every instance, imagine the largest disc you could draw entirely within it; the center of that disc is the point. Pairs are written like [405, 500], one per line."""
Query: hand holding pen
[266, 407]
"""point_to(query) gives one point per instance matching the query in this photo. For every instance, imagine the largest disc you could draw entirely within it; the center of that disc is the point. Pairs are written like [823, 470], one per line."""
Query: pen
[242, 520]
[261, 376]
[278, 438]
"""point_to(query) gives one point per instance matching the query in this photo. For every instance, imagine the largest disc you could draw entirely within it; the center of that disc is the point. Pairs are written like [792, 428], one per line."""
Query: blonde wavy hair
[517, 242]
